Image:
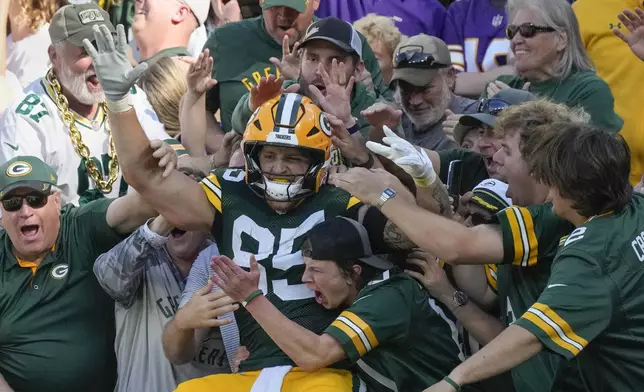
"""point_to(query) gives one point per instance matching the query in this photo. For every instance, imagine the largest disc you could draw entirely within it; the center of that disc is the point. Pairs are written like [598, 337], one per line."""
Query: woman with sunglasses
[550, 56]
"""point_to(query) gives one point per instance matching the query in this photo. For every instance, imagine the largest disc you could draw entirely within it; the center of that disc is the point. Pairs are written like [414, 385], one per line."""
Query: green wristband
[452, 383]
[251, 297]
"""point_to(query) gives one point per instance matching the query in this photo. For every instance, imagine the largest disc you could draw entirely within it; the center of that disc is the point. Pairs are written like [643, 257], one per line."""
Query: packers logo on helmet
[293, 121]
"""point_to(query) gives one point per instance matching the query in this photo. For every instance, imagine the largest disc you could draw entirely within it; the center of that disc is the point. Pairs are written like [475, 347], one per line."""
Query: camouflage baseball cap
[298, 5]
[74, 22]
[26, 172]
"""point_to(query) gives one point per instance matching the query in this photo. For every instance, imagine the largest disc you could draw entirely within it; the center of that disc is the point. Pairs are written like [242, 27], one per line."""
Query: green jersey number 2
[284, 258]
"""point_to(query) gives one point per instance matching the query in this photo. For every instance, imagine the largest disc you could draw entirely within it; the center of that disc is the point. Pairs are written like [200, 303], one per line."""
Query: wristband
[427, 181]
[251, 297]
[120, 106]
[453, 383]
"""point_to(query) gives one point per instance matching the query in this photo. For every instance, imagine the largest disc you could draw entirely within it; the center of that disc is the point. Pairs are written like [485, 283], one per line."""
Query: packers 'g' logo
[19, 169]
[59, 271]
[325, 124]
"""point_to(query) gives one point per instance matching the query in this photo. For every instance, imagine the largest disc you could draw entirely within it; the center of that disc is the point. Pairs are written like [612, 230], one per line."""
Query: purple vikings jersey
[412, 17]
[349, 11]
[475, 35]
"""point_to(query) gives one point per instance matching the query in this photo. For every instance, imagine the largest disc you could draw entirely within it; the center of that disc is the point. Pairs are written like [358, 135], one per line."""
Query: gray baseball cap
[418, 59]
[73, 23]
[506, 97]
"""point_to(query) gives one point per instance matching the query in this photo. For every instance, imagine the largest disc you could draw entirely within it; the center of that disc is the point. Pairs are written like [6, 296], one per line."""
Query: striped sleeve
[212, 187]
[490, 276]
[354, 334]
[575, 307]
[520, 243]
[178, 148]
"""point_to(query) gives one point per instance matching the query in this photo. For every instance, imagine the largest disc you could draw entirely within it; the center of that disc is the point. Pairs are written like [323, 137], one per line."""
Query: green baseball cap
[74, 22]
[297, 5]
[26, 172]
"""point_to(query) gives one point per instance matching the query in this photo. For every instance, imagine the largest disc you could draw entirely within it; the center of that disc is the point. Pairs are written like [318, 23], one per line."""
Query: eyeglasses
[492, 106]
[479, 219]
[527, 30]
[34, 200]
[416, 58]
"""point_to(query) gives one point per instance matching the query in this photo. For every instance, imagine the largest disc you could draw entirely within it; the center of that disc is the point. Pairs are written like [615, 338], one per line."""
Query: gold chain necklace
[77, 139]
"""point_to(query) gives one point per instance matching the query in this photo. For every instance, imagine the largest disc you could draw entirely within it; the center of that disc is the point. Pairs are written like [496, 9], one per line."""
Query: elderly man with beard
[61, 118]
[146, 274]
[252, 49]
[424, 81]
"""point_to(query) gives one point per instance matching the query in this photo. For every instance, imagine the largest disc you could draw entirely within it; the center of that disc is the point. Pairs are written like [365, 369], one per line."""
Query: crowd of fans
[321, 195]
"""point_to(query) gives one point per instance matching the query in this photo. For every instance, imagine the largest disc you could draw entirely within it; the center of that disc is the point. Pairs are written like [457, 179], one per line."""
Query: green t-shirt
[361, 99]
[531, 237]
[473, 171]
[398, 336]
[592, 308]
[581, 89]
[57, 323]
[242, 51]
[246, 225]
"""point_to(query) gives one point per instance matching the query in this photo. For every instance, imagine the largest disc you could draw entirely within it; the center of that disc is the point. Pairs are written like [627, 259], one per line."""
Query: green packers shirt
[246, 225]
[531, 237]
[398, 336]
[242, 51]
[56, 322]
[593, 306]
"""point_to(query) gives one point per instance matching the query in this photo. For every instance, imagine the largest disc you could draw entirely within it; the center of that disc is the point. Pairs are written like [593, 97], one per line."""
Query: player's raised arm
[141, 169]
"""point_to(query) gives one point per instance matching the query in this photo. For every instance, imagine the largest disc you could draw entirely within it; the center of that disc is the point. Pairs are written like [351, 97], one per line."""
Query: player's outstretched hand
[203, 309]
[351, 147]
[166, 156]
[289, 65]
[634, 23]
[199, 76]
[368, 185]
[113, 68]
[235, 281]
[413, 161]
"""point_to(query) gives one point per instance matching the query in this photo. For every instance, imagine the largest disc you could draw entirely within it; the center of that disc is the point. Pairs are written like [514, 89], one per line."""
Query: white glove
[113, 68]
[416, 163]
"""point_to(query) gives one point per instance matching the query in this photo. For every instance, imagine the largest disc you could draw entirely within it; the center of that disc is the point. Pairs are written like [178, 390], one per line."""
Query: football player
[474, 31]
[263, 210]
[61, 117]
[393, 331]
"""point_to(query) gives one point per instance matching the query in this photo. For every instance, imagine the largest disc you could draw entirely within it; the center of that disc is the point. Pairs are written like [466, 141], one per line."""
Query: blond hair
[378, 28]
[38, 12]
[165, 84]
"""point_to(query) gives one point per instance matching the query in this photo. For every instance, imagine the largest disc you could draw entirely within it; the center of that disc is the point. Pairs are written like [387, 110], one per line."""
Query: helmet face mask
[287, 121]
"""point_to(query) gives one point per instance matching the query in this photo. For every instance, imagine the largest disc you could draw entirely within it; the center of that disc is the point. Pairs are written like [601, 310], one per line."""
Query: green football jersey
[531, 237]
[247, 48]
[593, 306]
[399, 338]
[245, 225]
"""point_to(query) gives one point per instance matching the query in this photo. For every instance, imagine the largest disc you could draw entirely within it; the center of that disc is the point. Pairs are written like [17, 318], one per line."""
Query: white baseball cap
[200, 8]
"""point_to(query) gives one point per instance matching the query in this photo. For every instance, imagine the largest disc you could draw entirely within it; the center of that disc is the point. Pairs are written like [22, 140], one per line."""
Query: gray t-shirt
[146, 285]
[433, 137]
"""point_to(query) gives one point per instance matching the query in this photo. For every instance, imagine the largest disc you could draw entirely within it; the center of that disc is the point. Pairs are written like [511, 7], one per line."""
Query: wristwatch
[459, 299]
[354, 128]
[387, 194]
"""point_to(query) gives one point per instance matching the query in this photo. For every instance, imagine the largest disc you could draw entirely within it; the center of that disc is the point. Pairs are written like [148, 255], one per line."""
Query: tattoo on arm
[395, 238]
[439, 194]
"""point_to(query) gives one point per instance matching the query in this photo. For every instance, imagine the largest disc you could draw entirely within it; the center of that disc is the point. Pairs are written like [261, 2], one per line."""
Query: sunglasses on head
[33, 199]
[479, 219]
[527, 30]
[416, 59]
[492, 106]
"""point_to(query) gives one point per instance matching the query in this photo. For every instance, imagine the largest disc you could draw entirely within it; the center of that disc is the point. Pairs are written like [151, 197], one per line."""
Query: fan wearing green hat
[58, 323]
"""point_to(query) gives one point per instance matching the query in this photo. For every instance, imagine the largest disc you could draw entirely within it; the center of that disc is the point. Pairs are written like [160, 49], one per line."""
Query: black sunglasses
[416, 58]
[527, 30]
[479, 219]
[492, 106]
[34, 200]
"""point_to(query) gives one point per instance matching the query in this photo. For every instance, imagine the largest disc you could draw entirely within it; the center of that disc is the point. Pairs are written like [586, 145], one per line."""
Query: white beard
[434, 114]
[77, 86]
